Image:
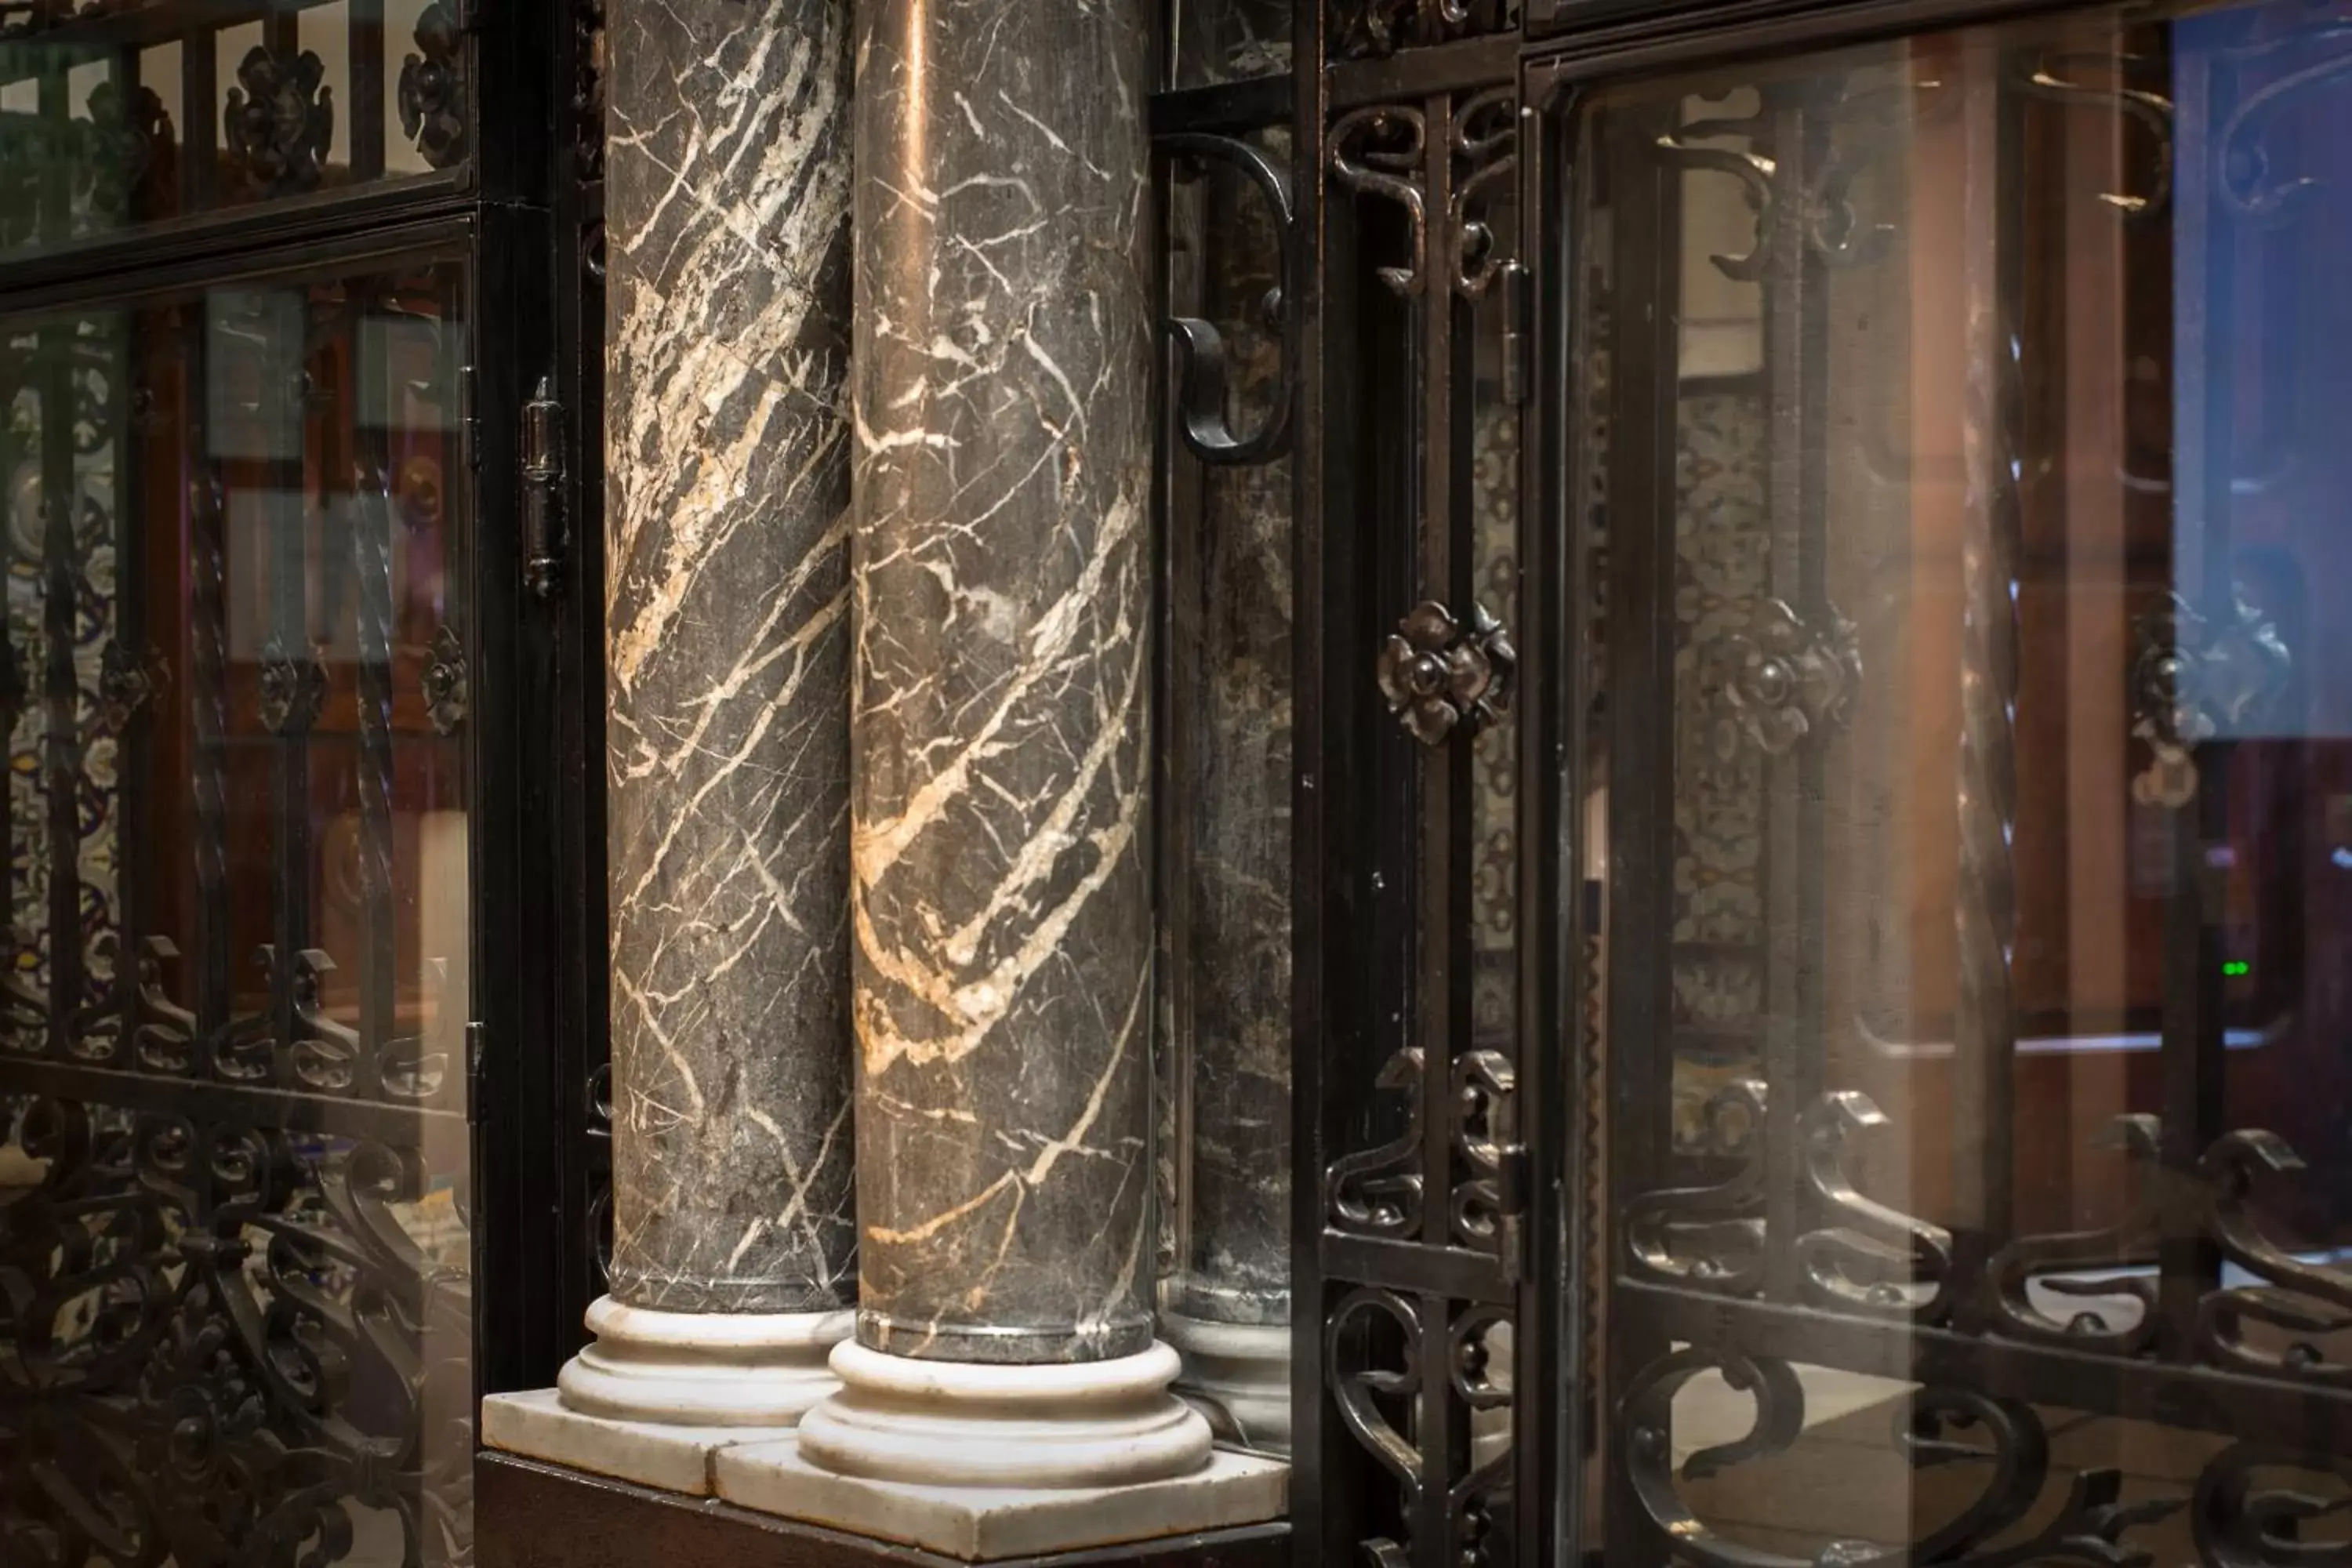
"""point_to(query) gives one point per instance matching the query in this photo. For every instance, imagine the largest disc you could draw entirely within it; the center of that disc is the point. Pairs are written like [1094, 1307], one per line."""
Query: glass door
[1961, 830]
[235, 1185]
[281, 669]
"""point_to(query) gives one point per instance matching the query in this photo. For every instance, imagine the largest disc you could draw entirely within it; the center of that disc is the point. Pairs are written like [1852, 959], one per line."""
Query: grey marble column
[1001, 802]
[728, 197]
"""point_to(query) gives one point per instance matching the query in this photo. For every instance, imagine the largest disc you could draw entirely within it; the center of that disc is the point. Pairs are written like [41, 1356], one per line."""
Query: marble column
[727, 194]
[1002, 677]
[1226, 1303]
[1000, 804]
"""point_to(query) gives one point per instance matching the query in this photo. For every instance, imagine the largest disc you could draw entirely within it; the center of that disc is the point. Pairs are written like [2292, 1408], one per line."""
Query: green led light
[2237, 966]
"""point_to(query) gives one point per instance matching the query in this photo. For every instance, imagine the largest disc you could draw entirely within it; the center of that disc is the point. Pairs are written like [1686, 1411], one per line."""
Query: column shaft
[727, 202]
[999, 884]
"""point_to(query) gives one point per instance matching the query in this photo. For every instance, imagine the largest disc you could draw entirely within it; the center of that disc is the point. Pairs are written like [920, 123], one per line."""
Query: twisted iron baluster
[1985, 1024]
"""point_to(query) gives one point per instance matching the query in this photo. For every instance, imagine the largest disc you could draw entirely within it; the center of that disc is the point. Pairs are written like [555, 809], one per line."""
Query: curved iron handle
[1200, 399]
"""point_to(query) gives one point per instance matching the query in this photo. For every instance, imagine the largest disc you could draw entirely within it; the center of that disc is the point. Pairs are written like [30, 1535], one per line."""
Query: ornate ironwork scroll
[1779, 680]
[1201, 390]
[2299, 1300]
[2195, 681]
[1815, 196]
[1378, 1191]
[235, 1323]
[433, 98]
[1870, 1257]
[1486, 1212]
[447, 691]
[1710, 1236]
[2252, 184]
[278, 122]
[1378, 151]
[2082, 1264]
[2011, 1453]
[228, 1342]
[2054, 80]
[1486, 142]
[1440, 676]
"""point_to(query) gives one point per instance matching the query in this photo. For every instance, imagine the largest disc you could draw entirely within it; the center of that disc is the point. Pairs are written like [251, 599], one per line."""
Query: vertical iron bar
[1985, 1014]
[1443, 774]
[1440, 773]
[1547, 1520]
[1647, 237]
[1318, 730]
[199, 120]
[367, 58]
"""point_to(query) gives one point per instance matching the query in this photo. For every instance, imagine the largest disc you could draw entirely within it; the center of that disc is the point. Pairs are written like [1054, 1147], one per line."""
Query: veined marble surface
[728, 202]
[1000, 804]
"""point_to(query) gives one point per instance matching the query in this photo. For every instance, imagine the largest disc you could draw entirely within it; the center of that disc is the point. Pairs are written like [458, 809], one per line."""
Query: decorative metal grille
[236, 1311]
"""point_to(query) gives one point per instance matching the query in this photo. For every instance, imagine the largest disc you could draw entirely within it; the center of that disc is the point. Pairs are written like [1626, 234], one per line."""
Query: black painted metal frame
[520, 217]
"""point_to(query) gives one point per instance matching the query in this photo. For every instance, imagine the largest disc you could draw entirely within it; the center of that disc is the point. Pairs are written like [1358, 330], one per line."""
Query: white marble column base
[674, 1458]
[703, 1369]
[981, 1524]
[970, 1424]
[1238, 1376]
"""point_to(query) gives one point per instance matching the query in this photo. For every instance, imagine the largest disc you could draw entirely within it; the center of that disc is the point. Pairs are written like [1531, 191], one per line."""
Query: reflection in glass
[1230, 40]
[1226, 834]
[233, 1139]
[1972, 1179]
[122, 113]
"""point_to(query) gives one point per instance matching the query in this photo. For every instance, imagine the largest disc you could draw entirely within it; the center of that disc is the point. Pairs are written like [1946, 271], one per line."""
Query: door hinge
[543, 490]
[1518, 286]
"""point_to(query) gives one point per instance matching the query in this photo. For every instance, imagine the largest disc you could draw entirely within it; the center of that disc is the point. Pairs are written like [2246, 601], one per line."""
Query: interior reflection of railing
[228, 1340]
[235, 1319]
[1986, 1347]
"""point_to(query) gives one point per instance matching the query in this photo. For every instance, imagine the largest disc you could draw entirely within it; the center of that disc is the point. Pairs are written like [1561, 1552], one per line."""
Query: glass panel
[1225, 1005]
[119, 115]
[234, 1152]
[1969, 844]
[1228, 40]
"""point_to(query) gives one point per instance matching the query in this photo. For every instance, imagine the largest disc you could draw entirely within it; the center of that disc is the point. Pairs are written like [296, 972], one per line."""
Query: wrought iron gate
[273, 1158]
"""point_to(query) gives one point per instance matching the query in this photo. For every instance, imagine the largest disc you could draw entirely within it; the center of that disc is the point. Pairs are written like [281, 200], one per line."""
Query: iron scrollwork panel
[1419, 1384]
[1422, 1353]
[235, 1196]
[229, 1340]
[1203, 394]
